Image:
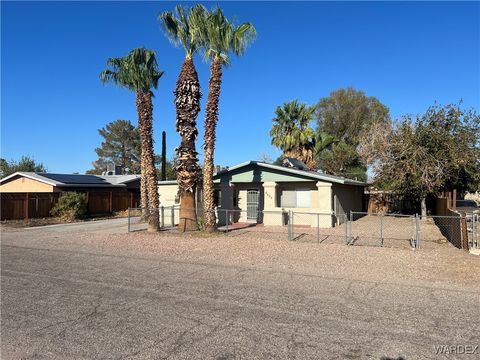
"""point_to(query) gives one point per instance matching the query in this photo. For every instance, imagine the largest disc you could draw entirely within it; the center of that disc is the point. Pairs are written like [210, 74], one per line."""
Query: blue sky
[408, 54]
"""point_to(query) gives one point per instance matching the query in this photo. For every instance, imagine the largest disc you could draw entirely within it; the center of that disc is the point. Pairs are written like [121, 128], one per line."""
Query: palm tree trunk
[143, 181]
[187, 102]
[211, 118]
[145, 120]
[143, 191]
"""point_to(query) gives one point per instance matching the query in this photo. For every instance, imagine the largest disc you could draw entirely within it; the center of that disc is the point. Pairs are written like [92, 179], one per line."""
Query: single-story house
[258, 192]
[30, 194]
[49, 183]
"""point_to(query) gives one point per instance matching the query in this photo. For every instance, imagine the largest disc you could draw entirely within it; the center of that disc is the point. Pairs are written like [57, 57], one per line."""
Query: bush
[70, 206]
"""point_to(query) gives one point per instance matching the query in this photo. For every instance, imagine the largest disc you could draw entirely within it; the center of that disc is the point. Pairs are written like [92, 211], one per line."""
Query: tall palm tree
[220, 38]
[139, 72]
[182, 27]
[291, 132]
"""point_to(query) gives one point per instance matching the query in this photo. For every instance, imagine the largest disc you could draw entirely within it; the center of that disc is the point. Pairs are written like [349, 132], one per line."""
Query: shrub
[70, 206]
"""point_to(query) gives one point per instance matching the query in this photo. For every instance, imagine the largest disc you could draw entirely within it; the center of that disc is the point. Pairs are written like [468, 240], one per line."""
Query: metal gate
[252, 204]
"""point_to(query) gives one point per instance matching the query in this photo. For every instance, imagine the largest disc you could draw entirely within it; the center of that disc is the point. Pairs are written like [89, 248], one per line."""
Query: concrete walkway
[107, 226]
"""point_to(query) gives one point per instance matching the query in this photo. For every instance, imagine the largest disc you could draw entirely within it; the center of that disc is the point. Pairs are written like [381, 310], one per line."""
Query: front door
[252, 204]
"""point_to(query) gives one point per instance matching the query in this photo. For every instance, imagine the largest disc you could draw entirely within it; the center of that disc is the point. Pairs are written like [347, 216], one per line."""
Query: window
[298, 198]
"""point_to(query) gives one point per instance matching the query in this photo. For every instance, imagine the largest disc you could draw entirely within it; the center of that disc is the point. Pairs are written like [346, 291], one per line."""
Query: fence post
[381, 230]
[26, 205]
[474, 231]
[172, 216]
[350, 236]
[475, 238]
[226, 220]
[293, 214]
[417, 226]
[289, 225]
[346, 228]
[128, 219]
[162, 215]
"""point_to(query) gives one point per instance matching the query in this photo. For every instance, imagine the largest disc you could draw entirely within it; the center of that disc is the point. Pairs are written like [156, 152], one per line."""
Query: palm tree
[291, 132]
[182, 27]
[324, 142]
[220, 37]
[138, 72]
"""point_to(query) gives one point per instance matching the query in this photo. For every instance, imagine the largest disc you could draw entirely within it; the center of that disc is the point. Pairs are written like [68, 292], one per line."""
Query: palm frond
[137, 71]
[182, 27]
[220, 36]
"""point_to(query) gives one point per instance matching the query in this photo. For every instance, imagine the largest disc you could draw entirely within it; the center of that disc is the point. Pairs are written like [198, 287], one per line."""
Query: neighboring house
[20, 182]
[263, 193]
[29, 194]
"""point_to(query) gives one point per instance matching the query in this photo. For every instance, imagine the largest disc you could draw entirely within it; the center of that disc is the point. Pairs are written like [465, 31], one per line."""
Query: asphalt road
[65, 304]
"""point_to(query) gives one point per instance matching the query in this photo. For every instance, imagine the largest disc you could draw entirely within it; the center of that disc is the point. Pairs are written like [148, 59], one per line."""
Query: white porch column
[324, 192]
[271, 213]
[324, 206]
[270, 195]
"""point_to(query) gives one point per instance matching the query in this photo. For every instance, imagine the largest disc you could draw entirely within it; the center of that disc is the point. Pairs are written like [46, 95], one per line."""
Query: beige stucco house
[256, 192]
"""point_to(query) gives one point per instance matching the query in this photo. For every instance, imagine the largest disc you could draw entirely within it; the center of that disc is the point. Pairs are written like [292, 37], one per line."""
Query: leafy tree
[170, 173]
[343, 160]
[348, 113]
[121, 145]
[291, 132]
[437, 151]
[342, 119]
[25, 163]
[220, 38]
[183, 28]
[139, 72]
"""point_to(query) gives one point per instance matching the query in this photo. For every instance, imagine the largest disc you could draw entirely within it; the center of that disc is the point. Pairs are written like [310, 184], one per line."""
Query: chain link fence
[355, 228]
[138, 217]
[473, 229]
[324, 228]
[247, 223]
[391, 230]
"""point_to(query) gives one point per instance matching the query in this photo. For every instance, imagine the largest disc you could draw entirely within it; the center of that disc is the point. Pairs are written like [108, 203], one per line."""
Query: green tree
[183, 28]
[120, 145]
[348, 113]
[437, 151]
[170, 173]
[343, 118]
[343, 160]
[220, 37]
[291, 132]
[26, 164]
[139, 72]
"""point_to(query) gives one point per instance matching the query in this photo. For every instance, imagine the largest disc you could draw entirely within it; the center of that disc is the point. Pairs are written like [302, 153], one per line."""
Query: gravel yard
[366, 231]
[77, 294]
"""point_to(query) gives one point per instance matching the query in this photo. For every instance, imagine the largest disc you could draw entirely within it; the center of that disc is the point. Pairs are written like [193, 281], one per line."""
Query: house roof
[305, 173]
[76, 180]
[120, 179]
